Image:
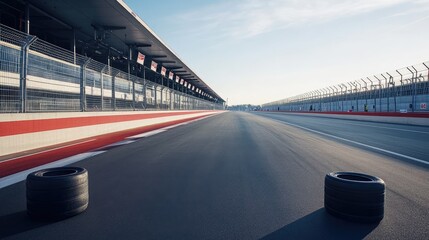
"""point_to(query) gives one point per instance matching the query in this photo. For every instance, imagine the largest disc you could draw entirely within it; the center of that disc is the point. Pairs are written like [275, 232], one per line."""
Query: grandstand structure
[90, 55]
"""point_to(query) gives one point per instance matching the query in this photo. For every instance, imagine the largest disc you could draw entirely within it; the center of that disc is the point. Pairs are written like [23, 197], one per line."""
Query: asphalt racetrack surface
[241, 176]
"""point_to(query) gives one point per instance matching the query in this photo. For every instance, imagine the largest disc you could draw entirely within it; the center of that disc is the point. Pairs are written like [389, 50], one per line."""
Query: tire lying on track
[57, 193]
[355, 196]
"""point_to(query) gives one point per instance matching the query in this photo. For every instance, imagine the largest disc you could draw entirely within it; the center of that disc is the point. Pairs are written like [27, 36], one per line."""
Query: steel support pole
[114, 91]
[341, 97]
[130, 56]
[320, 99]
[83, 85]
[74, 46]
[162, 95]
[27, 18]
[379, 92]
[366, 93]
[144, 88]
[336, 97]
[346, 93]
[23, 73]
[372, 94]
[415, 88]
[391, 82]
[351, 95]
[102, 87]
[402, 83]
[386, 85]
[427, 80]
[357, 95]
[412, 98]
[156, 95]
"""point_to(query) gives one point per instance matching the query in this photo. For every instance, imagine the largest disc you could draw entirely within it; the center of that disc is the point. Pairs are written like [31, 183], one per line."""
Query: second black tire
[355, 196]
[57, 193]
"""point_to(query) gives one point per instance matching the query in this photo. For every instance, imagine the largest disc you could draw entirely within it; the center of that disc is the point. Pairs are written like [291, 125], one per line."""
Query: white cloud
[247, 18]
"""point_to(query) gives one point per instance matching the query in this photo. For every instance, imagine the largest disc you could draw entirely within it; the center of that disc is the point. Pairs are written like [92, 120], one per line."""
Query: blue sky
[258, 51]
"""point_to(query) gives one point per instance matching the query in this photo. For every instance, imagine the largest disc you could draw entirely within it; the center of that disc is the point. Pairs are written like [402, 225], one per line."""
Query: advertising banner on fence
[153, 66]
[177, 79]
[140, 58]
[170, 75]
[163, 71]
[423, 106]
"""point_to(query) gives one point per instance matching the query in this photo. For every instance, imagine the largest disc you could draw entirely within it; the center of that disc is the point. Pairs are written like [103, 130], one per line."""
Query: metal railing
[37, 76]
[402, 90]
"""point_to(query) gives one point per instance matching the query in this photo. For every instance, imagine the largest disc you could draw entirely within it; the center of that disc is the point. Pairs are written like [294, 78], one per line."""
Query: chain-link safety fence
[402, 90]
[37, 76]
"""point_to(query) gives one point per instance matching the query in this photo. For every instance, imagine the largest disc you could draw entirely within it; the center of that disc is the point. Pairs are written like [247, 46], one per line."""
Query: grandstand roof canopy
[123, 28]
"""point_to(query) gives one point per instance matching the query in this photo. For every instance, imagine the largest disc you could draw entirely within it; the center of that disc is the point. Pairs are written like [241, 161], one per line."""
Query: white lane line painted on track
[397, 129]
[18, 177]
[147, 134]
[360, 144]
[53, 149]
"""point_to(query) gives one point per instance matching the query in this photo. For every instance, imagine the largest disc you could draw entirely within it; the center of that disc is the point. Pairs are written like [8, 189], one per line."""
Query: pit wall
[22, 133]
[421, 119]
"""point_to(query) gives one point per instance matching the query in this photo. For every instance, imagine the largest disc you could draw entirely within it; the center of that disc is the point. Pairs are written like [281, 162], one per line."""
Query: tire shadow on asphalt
[320, 225]
[16, 223]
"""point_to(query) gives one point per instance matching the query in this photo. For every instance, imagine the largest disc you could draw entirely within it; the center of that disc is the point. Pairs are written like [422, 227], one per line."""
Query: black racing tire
[57, 178]
[57, 193]
[355, 196]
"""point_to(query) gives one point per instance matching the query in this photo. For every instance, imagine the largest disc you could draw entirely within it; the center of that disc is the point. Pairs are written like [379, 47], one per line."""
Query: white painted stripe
[360, 144]
[49, 150]
[147, 134]
[396, 129]
[119, 143]
[17, 177]
[173, 126]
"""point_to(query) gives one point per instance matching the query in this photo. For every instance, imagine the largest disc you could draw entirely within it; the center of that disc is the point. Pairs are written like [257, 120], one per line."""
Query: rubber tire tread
[57, 209]
[354, 196]
[37, 182]
[57, 194]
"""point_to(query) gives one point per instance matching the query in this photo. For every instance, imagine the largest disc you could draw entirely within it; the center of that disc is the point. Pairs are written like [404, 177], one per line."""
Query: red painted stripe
[27, 162]
[31, 126]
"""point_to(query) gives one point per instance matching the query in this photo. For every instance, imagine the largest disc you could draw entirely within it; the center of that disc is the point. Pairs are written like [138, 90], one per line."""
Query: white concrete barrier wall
[34, 137]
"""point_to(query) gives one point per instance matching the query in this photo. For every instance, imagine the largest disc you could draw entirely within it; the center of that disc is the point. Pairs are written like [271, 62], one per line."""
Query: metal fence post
[413, 96]
[83, 85]
[415, 89]
[102, 87]
[387, 92]
[144, 88]
[366, 95]
[162, 97]
[23, 72]
[358, 95]
[391, 82]
[114, 91]
[427, 80]
[156, 95]
[379, 92]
